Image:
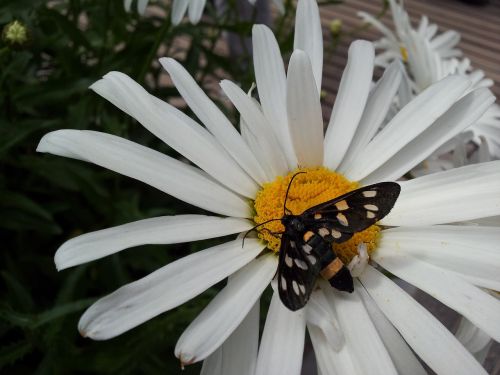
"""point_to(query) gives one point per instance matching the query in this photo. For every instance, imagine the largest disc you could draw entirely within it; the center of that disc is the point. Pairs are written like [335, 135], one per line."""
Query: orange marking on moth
[308, 235]
[331, 270]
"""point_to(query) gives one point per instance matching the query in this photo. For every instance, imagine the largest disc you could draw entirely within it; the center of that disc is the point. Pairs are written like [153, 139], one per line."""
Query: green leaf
[60, 311]
[12, 353]
[17, 291]
[34, 321]
[11, 134]
[9, 199]
[20, 212]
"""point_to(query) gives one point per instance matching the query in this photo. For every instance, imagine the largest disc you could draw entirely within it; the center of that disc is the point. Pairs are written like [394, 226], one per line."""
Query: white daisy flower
[243, 178]
[194, 8]
[428, 58]
[406, 43]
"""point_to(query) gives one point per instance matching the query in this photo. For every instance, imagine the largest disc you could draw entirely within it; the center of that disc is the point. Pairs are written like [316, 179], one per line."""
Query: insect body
[306, 243]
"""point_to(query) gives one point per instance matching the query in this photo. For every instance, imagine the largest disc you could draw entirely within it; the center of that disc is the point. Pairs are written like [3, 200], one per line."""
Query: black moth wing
[338, 219]
[298, 270]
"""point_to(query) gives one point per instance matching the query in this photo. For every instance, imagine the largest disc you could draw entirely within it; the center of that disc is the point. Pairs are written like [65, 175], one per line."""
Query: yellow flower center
[404, 54]
[309, 189]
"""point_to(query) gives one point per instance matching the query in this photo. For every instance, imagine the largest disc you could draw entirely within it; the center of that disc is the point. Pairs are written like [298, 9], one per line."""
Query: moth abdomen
[337, 274]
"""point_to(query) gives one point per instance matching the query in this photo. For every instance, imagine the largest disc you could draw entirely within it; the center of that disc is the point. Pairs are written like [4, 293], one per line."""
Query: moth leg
[359, 262]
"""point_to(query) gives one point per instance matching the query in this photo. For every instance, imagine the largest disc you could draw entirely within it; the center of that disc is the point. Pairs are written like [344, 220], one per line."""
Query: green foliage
[45, 200]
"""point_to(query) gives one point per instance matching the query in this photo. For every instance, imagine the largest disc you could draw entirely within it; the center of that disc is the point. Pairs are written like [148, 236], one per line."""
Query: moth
[306, 244]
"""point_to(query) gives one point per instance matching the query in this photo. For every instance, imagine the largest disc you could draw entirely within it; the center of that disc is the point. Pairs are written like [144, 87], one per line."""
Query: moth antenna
[287, 191]
[252, 229]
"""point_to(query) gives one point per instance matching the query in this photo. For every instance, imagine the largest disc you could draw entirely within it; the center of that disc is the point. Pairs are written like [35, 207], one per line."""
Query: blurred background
[47, 62]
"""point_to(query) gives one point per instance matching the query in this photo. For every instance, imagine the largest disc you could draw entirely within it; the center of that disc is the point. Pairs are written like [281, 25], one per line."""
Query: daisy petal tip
[59, 260]
[261, 28]
[362, 44]
[59, 265]
[186, 359]
[44, 144]
[82, 332]
[100, 85]
[299, 55]
[167, 62]
[85, 332]
[225, 83]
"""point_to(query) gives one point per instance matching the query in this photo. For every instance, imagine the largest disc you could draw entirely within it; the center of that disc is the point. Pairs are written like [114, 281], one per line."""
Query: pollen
[404, 54]
[309, 189]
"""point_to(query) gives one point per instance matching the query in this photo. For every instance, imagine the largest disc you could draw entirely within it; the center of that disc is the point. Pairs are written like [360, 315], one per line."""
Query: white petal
[282, 345]
[238, 354]
[257, 147]
[468, 251]
[158, 230]
[350, 102]
[175, 129]
[379, 102]
[196, 10]
[403, 358]
[368, 18]
[164, 289]
[427, 337]
[141, 6]
[304, 111]
[458, 194]
[330, 361]
[405, 94]
[226, 311]
[319, 314]
[446, 40]
[213, 118]
[366, 347]
[473, 303]
[179, 10]
[160, 171]
[127, 5]
[259, 127]
[412, 120]
[271, 84]
[461, 115]
[309, 37]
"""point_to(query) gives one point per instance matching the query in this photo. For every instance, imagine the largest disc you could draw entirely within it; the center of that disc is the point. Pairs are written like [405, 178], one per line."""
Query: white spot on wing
[336, 234]
[295, 287]
[292, 244]
[371, 207]
[307, 248]
[323, 232]
[301, 264]
[312, 259]
[288, 261]
[342, 219]
[283, 283]
[370, 215]
[317, 216]
[369, 193]
[302, 289]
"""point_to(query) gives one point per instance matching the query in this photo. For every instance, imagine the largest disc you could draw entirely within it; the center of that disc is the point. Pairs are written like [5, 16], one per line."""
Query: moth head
[293, 223]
